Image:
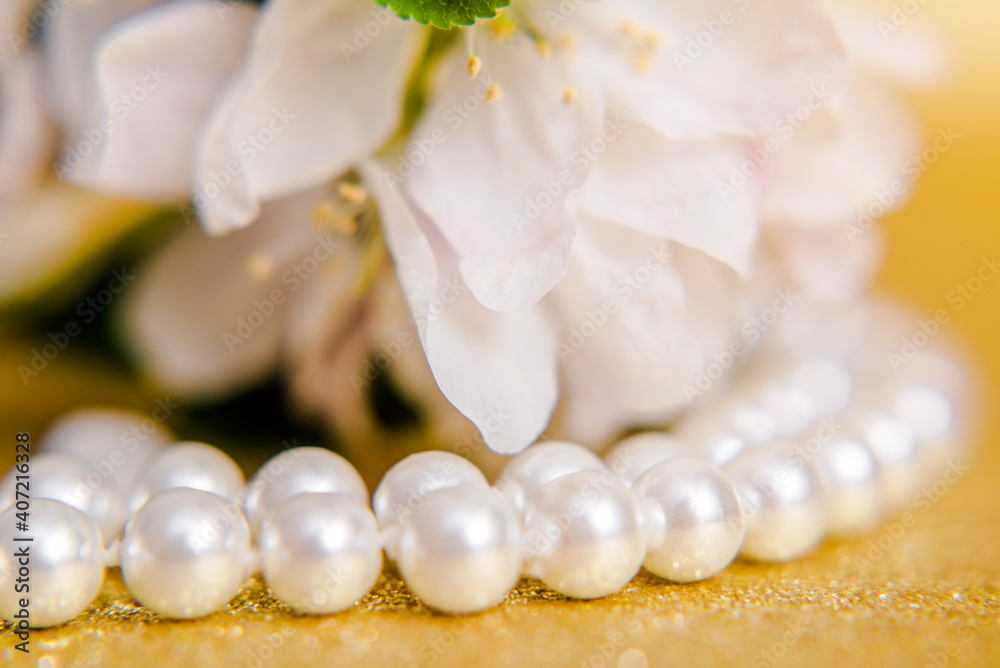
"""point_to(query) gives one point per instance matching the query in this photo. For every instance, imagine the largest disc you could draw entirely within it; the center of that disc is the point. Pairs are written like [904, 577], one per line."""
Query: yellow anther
[569, 95]
[494, 93]
[352, 192]
[475, 65]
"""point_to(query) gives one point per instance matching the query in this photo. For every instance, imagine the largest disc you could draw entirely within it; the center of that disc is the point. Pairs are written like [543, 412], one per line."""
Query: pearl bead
[852, 486]
[826, 383]
[190, 464]
[185, 552]
[320, 552]
[117, 443]
[928, 411]
[71, 481]
[66, 568]
[781, 500]
[693, 521]
[583, 535]
[635, 455]
[406, 486]
[540, 464]
[297, 471]
[754, 425]
[894, 446]
[460, 550]
[790, 409]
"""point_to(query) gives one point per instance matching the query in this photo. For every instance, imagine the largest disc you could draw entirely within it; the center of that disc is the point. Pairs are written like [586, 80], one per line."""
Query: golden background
[931, 599]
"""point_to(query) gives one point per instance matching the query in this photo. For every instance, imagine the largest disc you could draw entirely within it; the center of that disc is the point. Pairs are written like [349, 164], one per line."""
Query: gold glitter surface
[927, 595]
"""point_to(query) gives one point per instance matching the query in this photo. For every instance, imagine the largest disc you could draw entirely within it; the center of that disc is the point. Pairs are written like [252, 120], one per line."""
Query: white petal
[913, 55]
[830, 264]
[26, 133]
[637, 327]
[493, 176]
[313, 99]
[843, 160]
[190, 315]
[68, 42]
[157, 74]
[498, 369]
[676, 190]
[679, 68]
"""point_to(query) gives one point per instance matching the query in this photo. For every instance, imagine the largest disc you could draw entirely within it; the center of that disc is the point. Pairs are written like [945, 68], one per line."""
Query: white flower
[556, 192]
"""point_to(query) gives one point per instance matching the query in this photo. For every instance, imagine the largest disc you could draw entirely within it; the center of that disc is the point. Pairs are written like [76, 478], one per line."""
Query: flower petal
[641, 317]
[157, 74]
[26, 133]
[68, 43]
[675, 190]
[206, 316]
[493, 175]
[498, 369]
[317, 95]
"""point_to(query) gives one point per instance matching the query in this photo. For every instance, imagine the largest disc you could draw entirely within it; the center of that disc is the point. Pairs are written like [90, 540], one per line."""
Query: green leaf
[445, 14]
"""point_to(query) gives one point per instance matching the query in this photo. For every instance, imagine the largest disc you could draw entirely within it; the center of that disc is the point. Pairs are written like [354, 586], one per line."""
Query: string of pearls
[799, 449]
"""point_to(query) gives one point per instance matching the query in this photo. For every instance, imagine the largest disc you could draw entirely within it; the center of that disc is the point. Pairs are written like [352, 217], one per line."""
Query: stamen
[475, 65]
[544, 49]
[570, 94]
[352, 192]
[494, 93]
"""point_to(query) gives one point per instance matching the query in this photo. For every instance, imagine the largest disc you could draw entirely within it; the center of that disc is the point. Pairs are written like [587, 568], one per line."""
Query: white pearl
[320, 552]
[928, 411]
[635, 455]
[405, 487]
[583, 535]
[782, 502]
[185, 552]
[826, 382]
[723, 449]
[894, 446]
[117, 443]
[71, 481]
[540, 464]
[754, 425]
[693, 521]
[66, 563]
[852, 485]
[790, 408]
[297, 471]
[190, 464]
[460, 550]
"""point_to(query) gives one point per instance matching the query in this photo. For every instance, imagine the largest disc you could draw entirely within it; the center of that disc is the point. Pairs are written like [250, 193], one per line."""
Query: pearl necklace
[792, 454]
